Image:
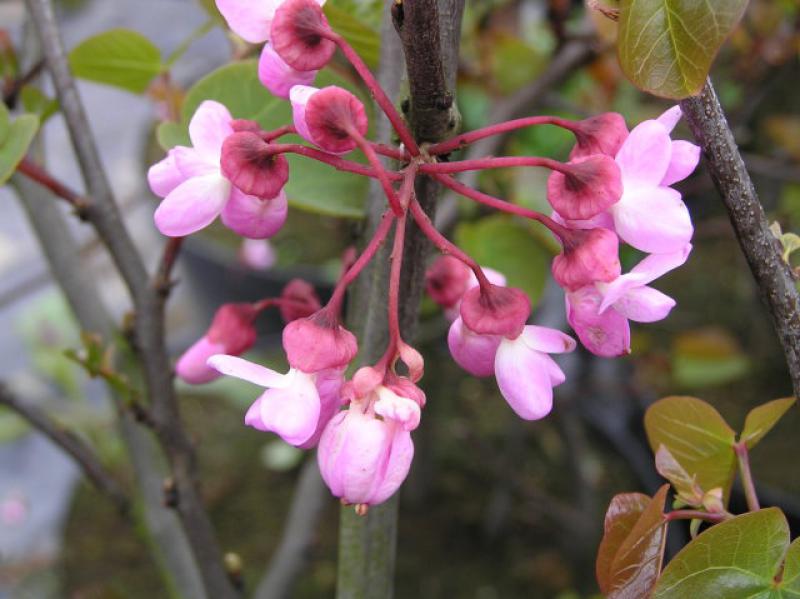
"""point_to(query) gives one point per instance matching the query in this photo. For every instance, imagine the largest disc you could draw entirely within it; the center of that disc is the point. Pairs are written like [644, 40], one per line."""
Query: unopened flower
[588, 255]
[600, 134]
[231, 332]
[297, 34]
[248, 162]
[591, 186]
[318, 342]
[495, 310]
[300, 300]
[328, 117]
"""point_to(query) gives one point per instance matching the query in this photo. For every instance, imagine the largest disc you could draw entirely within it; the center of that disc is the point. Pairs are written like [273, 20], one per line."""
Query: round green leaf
[698, 438]
[37, 102]
[760, 420]
[119, 57]
[16, 143]
[737, 558]
[506, 245]
[4, 121]
[666, 47]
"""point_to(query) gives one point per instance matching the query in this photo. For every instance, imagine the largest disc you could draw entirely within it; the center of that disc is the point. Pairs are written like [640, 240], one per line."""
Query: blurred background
[494, 507]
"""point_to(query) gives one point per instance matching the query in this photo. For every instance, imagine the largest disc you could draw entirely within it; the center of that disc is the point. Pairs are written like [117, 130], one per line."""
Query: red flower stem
[445, 245]
[493, 202]
[386, 184]
[394, 285]
[478, 164]
[369, 252]
[697, 515]
[459, 141]
[390, 151]
[377, 92]
[36, 173]
[336, 162]
[269, 136]
[747, 476]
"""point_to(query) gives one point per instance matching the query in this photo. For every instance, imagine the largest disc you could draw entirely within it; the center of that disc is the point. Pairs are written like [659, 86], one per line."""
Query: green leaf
[760, 420]
[504, 244]
[736, 558]
[666, 47]
[684, 484]
[119, 57]
[169, 135]
[364, 39]
[312, 186]
[4, 122]
[630, 554]
[790, 581]
[14, 147]
[697, 437]
[37, 102]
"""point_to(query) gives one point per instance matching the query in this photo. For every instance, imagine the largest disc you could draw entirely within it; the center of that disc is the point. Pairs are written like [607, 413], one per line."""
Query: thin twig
[36, 173]
[162, 282]
[763, 251]
[72, 445]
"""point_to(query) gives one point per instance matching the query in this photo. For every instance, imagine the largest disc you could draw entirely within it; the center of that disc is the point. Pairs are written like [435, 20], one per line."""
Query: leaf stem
[697, 515]
[743, 457]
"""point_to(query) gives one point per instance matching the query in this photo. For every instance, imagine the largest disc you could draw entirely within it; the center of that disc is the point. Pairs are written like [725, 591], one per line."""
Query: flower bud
[592, 185]
[304, 300]
[601, 134]
[495, 310]
[328, 117]
[297, 35]
[248, 163]
[589, 255]
[446, 280]
[231, 332]
[253, 217]
[318, 342]
[277, 76]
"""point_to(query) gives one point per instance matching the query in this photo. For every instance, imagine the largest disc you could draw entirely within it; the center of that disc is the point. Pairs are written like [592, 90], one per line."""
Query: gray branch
[763, 251]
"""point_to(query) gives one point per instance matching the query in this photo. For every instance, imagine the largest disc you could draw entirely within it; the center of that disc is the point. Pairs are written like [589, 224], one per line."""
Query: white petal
[248, 371]
[209, 127]
[192, 205]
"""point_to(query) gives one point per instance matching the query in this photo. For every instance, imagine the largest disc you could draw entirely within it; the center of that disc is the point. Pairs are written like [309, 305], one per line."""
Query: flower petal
[248, 371]
[395, 469]
[653, 219]
[524, 379]
[644, 304]
[685, 156]
[253, 416]
[401, 410]
[645, 155]
[249, 19]
[277, 76]
[607, 334]
[192, 366]
[164, 176]
[670, 117]
[253, 217]
[209, 127]
[292, 412]
[299, 96]
[474, 353]
[191, 163]
[545, 339]
[192, 205]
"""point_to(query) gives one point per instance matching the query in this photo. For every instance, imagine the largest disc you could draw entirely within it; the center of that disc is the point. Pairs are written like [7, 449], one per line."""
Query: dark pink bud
[592, 185]
[318, 342]
[446, 280]
[250, 165]
[589, 255]
[233, 327]
[245, 125]
[331, 115]
[297, 35]
[495, 310]
[601, 134]
[303, 298]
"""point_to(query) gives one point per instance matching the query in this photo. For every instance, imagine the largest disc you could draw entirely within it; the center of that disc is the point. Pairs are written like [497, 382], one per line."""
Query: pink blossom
[298, 35]
[257, 254]
[300, 300]
[601, 134]
[446, 280]
[247, 161]
[318, 342]
[588, 255]
[495, 310]
[277, 76]
[231, 332]
[493, 276]
[364, 459]
[190, 180]
[253, 217]
[251, 19]
[590, 187]
[295, 405]
[328, 117]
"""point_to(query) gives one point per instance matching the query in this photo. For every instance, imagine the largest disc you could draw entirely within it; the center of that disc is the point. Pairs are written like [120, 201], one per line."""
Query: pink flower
[590, 187]
[493, 276]
[525, 373]
[601, 134]
[277, 76]
[599, 313]
[495, 310]
[365, 451]
[231, 332]
[304, 300]
[298, 35]
[328, 117]
[257, 254]
[318, 342]
[251, 19]
[247, 161]
[589, 255]
[253, 217]
[446, 280]
[296, 405]
[193, 186]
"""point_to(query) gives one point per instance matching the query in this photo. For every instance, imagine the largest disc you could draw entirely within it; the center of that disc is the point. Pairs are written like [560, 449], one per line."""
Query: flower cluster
[615, 188]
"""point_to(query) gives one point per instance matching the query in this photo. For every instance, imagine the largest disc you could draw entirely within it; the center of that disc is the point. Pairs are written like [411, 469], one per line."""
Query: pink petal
[329, 385]
[253, 416]
[164, 176]
[474, 353]
[249, 19]
[645, 155]
[253, 217]
[257, 254]
[191, 163]
[670, 117]
[685, 157]
[192, 366]
[401, 410]
[248, 371]
[607, 334]
[192, 205]
[644, 304]
[396, 468]
[524, 379]
[277, 76]
[545, 339]
[604, 220]
[299, 96]
[292, 412]
[653, 219]
[209, 127]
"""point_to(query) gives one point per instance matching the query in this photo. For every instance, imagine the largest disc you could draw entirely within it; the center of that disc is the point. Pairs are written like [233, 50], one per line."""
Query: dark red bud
[446, 280]
[296, 35]
[592, 185]
[601, 134]
[589, 255]
[318, 342]
[331, 115]
[233, 327]
[495, 310]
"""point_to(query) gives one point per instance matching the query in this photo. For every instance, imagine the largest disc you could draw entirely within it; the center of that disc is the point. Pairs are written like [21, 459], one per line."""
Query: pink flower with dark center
[248, 162]
[601, 134]
[318, 342]
[495, 310]
[297, 34]
[328, 117]
[251, 19]
[588, 255]
[231, 332]
[592, 185]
